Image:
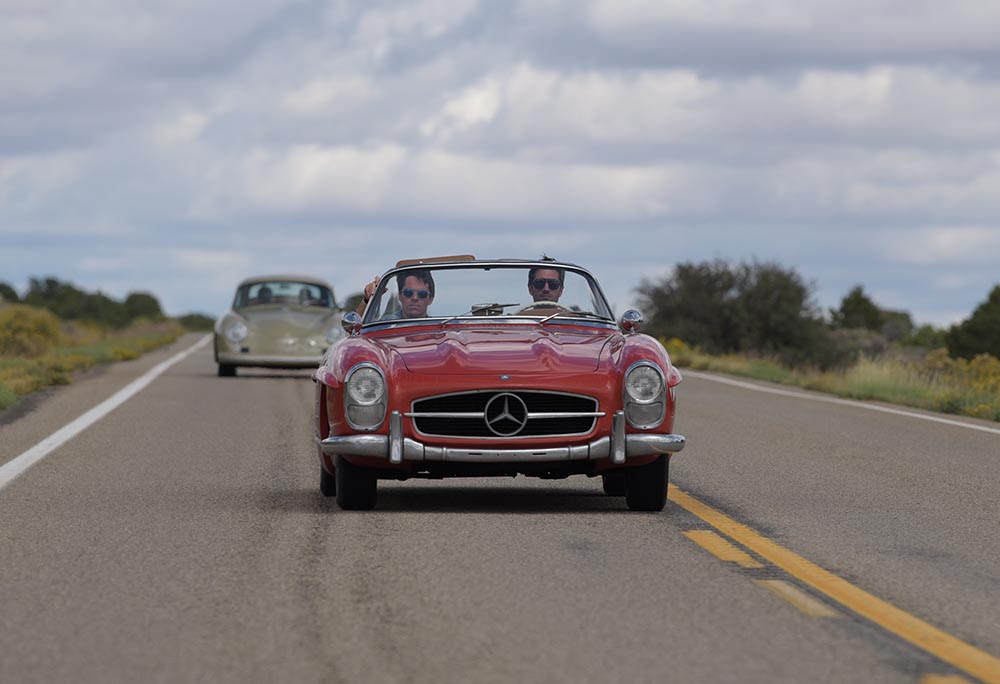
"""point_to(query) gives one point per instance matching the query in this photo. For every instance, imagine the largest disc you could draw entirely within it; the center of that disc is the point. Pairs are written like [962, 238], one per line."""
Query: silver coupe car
[277, 321]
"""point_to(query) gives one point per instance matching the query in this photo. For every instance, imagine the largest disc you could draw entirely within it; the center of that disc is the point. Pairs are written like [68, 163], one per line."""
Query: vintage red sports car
[466, 367]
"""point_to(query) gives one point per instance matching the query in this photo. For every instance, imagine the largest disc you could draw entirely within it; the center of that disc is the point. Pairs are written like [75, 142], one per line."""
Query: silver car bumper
[618, 447]
[269, 360]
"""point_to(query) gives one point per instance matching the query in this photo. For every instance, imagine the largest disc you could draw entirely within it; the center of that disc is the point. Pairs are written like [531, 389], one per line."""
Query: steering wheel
[542, 308]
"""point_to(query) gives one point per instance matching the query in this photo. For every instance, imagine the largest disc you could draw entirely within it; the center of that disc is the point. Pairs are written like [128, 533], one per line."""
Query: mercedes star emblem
[506, 414]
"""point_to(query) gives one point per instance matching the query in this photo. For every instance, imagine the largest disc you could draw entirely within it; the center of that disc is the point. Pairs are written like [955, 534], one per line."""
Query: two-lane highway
[182, 537]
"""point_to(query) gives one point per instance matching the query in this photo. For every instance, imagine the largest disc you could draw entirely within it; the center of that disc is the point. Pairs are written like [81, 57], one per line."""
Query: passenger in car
[415, 292]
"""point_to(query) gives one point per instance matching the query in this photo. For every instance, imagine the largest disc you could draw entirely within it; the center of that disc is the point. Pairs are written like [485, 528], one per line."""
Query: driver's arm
[369, 291]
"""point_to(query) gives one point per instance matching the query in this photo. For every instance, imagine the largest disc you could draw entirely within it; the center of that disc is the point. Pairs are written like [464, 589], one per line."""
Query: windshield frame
[387, 281]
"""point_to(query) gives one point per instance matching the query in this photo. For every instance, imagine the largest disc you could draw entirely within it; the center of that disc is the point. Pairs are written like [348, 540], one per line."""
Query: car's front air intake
[505, 414]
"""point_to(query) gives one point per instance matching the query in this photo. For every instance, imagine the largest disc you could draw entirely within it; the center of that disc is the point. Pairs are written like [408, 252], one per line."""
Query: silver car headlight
[365, 398]
[237, 332]
[644, 384]
[644, 399]
[365, 386]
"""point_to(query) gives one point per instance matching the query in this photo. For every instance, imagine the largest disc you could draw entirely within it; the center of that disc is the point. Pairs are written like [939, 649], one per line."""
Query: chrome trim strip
[618, 437]
[395, 437]
[378, 446]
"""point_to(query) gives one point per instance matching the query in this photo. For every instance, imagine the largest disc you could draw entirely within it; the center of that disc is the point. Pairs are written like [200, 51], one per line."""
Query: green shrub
[198, 322]
[8, 397]
[27, 331]
[680, 353]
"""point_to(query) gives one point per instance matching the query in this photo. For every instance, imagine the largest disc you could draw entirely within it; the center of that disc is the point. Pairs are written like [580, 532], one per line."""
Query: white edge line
[21, 463]
[834, 400]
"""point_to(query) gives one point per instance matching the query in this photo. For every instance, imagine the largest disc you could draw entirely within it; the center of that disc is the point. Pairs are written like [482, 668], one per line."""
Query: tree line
[69, 302]
[747, 308]
[766, 309]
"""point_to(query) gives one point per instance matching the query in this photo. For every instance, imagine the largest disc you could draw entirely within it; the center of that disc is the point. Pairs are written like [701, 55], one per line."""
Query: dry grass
[53, 357]
[935, 382]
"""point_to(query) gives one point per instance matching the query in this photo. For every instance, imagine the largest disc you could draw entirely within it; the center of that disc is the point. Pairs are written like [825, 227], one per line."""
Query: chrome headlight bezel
[644, 395]
[365, 406]
[644, 383]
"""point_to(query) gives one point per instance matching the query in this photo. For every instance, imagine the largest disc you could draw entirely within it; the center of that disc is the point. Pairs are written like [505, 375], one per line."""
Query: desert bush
[680, 353]
[854, 344]
[27, 331]
[8, 397]
[197, 322]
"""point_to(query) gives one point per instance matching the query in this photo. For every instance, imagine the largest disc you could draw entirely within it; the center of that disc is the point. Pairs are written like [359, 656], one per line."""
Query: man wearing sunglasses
[545, 284]
[415, 292]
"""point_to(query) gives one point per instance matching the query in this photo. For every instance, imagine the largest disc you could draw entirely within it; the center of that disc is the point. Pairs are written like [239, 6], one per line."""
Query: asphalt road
[182, 538]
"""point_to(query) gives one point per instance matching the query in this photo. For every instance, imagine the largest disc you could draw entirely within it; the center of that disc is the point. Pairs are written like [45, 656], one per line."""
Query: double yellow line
[914, 630]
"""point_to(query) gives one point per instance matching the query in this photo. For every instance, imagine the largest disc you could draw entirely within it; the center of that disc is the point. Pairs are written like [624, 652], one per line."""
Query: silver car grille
[505, 414]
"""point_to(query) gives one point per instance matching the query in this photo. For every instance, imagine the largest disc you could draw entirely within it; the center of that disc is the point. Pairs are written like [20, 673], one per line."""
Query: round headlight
[237, 332]
[334, 333]
[644, 384]
[365, 386]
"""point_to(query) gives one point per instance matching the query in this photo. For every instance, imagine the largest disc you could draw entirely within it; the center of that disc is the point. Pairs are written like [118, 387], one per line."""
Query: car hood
[495, 350]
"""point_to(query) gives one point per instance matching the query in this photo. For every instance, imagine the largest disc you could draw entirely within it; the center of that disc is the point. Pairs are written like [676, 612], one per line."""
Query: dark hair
[421, 274]
[535, 269]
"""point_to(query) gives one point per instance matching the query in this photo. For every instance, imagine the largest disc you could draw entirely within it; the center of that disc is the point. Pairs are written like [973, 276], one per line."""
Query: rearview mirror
[351, 322]
[630, 322]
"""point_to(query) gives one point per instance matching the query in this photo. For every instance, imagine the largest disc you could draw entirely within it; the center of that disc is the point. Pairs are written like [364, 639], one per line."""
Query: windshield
[534, 290]
[283, 292]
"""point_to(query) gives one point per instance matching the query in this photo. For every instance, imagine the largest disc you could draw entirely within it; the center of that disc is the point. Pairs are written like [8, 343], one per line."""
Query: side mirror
[351, 323]
[630, 322]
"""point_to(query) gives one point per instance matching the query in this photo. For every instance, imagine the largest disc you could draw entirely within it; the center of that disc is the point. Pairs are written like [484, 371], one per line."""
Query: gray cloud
[177, 147]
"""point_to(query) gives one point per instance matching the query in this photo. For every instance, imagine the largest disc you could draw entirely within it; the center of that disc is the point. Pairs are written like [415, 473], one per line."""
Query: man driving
[545, 284]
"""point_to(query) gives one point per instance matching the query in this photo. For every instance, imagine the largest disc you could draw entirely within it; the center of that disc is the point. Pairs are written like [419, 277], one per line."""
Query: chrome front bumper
[618, 447]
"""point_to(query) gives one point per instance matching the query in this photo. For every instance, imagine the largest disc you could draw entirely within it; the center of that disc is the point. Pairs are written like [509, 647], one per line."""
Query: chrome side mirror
[630, 322]
[351, 323]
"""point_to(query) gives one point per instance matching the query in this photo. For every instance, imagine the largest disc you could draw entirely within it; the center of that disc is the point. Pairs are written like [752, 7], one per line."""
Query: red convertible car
[466, 368]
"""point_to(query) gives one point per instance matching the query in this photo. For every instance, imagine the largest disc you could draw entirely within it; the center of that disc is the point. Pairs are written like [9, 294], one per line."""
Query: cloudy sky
[177, 146]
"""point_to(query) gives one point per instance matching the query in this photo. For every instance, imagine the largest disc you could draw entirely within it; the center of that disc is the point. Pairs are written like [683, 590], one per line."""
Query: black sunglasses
[421, 294]
[539, 283]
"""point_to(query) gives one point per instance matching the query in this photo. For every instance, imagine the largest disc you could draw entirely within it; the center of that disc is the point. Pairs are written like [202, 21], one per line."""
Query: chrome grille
[502, 414]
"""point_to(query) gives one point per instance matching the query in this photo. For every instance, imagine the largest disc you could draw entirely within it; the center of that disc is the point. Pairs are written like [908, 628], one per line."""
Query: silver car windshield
[535, 291]
[283, 292]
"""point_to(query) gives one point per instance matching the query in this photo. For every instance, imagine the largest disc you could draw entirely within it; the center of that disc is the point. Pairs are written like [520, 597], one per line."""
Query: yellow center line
[914, 630]
[722, 549]
[798, 598]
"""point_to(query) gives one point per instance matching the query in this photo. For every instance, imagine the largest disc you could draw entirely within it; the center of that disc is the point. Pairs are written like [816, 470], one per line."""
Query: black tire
[614, 484]
[357, 489]
[327, 482]
[227, 370]
[646, 486]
